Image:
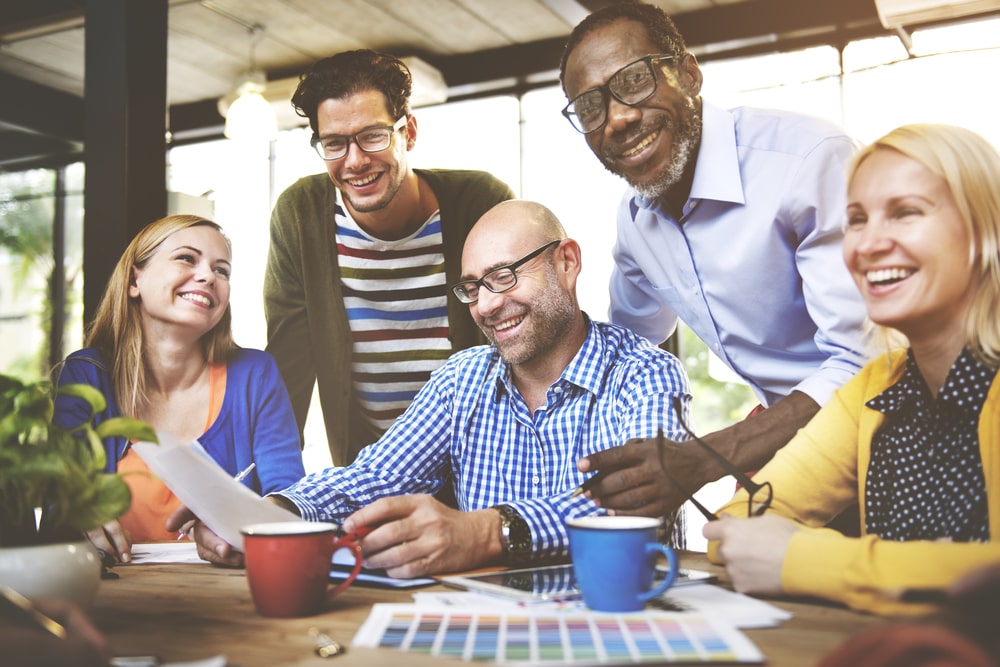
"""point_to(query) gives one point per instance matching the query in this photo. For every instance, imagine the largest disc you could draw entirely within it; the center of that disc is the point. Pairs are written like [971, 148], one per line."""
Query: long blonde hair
[116, 331]
[970, 167]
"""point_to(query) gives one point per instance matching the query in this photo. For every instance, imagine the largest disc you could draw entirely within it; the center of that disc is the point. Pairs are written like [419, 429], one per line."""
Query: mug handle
[668, 581]
[347, 542]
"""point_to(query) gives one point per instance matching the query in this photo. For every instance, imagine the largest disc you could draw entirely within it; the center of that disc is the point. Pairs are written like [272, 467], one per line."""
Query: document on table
[741, 611]
[182, 551]
[222, 503]
[545, 637]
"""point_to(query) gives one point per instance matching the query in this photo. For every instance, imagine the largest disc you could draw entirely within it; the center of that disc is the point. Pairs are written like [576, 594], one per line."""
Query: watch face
[517, 535]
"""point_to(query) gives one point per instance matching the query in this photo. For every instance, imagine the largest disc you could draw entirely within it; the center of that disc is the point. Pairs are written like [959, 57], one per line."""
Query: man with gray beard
[732, 224]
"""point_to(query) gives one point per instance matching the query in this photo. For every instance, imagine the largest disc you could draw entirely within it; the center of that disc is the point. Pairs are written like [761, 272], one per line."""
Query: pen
[22, 607]
[240, 476]
[246, 471]
[589, 484]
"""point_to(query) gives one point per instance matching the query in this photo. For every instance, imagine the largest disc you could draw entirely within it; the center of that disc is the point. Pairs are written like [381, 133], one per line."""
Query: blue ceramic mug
[614, 560]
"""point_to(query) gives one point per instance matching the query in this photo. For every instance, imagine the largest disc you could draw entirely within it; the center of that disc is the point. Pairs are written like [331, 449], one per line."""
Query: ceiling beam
[40, 109]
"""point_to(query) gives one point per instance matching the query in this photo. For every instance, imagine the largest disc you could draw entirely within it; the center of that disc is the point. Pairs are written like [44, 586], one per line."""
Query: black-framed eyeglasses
[370, 140]
[499, 279]
[631, 85]
[760, 494]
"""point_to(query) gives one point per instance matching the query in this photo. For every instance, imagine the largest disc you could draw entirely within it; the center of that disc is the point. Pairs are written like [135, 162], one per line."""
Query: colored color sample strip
[678, 644]
[565, 638]
[581, 640]
[518, 638]
[396, 631]
[549, 632]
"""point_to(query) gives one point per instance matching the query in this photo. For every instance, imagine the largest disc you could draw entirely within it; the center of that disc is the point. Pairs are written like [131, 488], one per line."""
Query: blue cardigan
[255, 423]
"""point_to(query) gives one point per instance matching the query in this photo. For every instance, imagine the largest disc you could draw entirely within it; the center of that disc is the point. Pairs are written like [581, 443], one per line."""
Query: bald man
[506, 421]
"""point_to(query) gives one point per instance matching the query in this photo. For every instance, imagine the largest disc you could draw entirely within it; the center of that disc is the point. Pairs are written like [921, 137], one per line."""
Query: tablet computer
[548, 583]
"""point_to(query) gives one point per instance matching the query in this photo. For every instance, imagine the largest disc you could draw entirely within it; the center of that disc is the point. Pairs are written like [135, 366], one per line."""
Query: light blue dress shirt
[470, 421]
[754, 267]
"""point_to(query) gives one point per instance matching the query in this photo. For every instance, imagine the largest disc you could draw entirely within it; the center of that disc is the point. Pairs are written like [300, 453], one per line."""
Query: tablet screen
[554, 582]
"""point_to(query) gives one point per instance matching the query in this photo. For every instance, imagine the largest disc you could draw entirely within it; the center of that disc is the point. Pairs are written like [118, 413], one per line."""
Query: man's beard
[367, 205]
[553, 312]
[684, 147]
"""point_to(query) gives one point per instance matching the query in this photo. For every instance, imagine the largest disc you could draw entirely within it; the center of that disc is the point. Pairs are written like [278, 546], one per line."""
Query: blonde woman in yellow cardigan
[915, 436]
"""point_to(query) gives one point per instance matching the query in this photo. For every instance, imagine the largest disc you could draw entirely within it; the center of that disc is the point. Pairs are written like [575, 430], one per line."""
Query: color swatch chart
[525, 637]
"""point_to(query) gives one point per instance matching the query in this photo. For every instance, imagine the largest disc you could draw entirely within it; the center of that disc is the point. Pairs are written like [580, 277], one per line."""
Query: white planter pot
[65, 571]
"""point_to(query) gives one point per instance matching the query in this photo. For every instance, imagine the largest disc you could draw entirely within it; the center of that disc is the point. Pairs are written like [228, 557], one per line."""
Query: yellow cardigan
[822, 470]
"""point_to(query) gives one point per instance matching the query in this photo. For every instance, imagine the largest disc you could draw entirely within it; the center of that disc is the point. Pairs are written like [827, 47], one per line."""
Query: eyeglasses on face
[499, 279]
[631, 85]
[370, 140]
[760, 494]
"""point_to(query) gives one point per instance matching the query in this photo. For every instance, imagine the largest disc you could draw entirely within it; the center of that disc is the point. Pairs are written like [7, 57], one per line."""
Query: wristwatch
[515, 535]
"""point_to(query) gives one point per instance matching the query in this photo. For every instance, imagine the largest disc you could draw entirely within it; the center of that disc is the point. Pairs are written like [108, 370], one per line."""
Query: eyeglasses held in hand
[760, 494]
[499, 279]
[631, 85]
[370, 140]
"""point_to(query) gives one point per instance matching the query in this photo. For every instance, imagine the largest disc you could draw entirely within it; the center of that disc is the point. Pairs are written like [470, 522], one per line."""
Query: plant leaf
[92, 395]
[126, 427]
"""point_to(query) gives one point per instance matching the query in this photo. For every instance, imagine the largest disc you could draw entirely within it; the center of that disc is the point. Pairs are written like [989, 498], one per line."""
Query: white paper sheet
[222, 503]
[182, 551]
[737, 609]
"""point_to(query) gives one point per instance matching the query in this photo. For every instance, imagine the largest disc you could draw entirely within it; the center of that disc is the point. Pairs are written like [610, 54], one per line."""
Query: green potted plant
[53, 488]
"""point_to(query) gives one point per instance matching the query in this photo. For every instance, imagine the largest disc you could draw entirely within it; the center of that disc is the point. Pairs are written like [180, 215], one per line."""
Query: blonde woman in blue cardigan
[915, 436]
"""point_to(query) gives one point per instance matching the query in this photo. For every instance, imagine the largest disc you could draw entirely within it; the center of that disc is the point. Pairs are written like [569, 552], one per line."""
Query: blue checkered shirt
[470, 424]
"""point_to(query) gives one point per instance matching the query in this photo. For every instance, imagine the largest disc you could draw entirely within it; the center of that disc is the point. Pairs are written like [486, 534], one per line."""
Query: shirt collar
[911, 389]
[717, 167]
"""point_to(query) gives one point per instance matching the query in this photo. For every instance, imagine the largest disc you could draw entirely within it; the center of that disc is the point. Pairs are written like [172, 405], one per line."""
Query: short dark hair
[659, 27]
[349, 73]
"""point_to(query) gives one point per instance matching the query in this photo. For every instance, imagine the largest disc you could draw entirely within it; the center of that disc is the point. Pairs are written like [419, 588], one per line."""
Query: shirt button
[536, 479]
[558, 390]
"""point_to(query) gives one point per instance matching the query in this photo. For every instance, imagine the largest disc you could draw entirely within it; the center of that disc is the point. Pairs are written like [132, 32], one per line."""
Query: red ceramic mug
[288, 565]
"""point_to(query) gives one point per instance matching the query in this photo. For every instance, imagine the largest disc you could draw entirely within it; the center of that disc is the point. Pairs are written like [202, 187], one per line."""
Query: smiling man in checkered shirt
[506, 421]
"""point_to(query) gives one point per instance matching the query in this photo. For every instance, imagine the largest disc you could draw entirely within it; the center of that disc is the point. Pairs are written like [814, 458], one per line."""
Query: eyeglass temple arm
[741, 477]
[705, 512]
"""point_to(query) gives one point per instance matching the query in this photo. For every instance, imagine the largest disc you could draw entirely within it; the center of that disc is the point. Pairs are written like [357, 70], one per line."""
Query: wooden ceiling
[478, 46]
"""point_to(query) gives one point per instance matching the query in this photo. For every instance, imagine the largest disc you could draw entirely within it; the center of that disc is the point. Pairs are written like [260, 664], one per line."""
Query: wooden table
[191, 612]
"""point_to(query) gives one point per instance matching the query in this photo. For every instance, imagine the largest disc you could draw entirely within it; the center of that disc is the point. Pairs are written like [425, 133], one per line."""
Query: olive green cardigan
[307, 328]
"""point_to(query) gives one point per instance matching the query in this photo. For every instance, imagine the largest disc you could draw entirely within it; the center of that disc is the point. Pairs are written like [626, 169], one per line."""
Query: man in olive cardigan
[356, 103]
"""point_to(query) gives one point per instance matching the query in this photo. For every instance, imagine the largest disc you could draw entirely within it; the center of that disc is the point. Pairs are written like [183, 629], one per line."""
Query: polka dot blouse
[925, 478]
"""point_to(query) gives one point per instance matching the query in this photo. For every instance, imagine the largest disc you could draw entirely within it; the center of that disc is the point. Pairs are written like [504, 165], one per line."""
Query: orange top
[152, 501]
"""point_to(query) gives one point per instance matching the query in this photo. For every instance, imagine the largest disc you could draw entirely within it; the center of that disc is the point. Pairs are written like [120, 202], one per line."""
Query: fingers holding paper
[211, 547]
[416, 535]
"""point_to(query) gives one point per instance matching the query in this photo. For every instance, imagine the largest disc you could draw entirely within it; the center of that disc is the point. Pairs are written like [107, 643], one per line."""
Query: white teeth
[635, 150]
[197, 298]
[363, 181]
[503, 326]
[887, 275]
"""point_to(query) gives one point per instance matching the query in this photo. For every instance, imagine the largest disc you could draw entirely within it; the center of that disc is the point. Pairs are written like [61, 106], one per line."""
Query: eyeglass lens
[630, 85]
[498, 280]
[370, 140]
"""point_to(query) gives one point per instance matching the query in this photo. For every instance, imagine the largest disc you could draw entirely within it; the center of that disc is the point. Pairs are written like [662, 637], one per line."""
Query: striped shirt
[395, 293]
[470, 420]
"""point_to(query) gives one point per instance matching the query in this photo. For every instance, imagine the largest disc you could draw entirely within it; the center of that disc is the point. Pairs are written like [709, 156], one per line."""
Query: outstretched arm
[642, 478]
